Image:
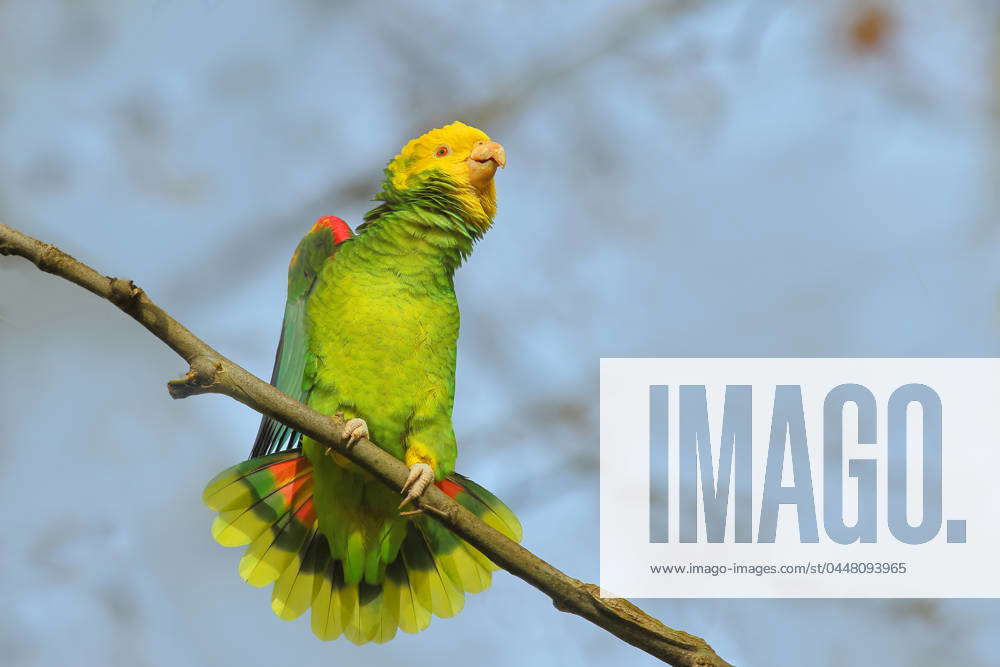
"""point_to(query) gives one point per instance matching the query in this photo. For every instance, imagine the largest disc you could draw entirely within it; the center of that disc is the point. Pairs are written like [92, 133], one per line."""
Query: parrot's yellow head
[464, 155]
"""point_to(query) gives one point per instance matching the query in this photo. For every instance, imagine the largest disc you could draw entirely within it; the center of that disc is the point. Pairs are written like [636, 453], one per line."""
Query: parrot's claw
[421, 476]
[354, 430]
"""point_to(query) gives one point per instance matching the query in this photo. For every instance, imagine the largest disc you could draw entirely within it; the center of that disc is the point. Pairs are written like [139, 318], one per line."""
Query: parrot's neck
[428, 230]
[414, 242]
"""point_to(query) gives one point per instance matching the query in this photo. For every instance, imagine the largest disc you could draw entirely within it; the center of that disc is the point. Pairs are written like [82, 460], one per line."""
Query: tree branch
[210, 372]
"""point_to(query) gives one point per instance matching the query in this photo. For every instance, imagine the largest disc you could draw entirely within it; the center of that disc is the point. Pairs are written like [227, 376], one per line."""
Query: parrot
[370, 335]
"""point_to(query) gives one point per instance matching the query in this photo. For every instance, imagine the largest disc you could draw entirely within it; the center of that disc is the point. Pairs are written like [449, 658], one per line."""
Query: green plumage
[370, 331]
[384, 320]
[313, 251]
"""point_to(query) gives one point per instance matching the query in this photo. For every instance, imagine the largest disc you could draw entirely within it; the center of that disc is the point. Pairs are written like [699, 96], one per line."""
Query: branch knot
[124, 293]
[202, 376]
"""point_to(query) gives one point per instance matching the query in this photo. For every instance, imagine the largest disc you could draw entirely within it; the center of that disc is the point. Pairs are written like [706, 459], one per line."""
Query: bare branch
[210, 372]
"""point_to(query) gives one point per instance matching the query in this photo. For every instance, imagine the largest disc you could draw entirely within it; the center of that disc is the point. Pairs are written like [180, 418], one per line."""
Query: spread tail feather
[267, 503]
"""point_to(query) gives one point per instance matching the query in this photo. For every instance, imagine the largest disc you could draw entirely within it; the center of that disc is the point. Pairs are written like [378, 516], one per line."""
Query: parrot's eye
[442, 151]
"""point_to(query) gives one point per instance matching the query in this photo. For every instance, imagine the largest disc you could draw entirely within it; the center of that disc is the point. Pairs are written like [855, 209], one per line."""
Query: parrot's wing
[315, 248]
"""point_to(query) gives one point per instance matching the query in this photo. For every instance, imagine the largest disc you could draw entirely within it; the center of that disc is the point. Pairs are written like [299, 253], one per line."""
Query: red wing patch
[341, 230]
[449, 487]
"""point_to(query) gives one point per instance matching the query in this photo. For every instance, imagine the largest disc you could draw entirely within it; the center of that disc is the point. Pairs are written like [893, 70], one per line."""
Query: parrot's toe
[420, 477]
[354, 430]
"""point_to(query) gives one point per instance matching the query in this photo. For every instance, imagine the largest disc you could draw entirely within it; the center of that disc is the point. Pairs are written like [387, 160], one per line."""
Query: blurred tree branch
[211, 373]
[504, 102]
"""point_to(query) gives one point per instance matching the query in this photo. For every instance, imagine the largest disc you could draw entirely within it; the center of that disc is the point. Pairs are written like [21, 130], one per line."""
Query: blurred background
[685, 178]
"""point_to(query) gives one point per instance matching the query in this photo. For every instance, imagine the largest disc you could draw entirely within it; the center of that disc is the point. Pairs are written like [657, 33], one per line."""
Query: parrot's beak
[486, 156]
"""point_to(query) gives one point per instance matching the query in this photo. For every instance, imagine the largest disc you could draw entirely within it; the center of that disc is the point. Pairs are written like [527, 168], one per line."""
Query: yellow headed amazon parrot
[370, 332]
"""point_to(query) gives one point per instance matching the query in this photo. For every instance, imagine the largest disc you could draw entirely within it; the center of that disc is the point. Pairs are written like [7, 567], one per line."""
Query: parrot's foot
[354, 430]
[421, 476]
